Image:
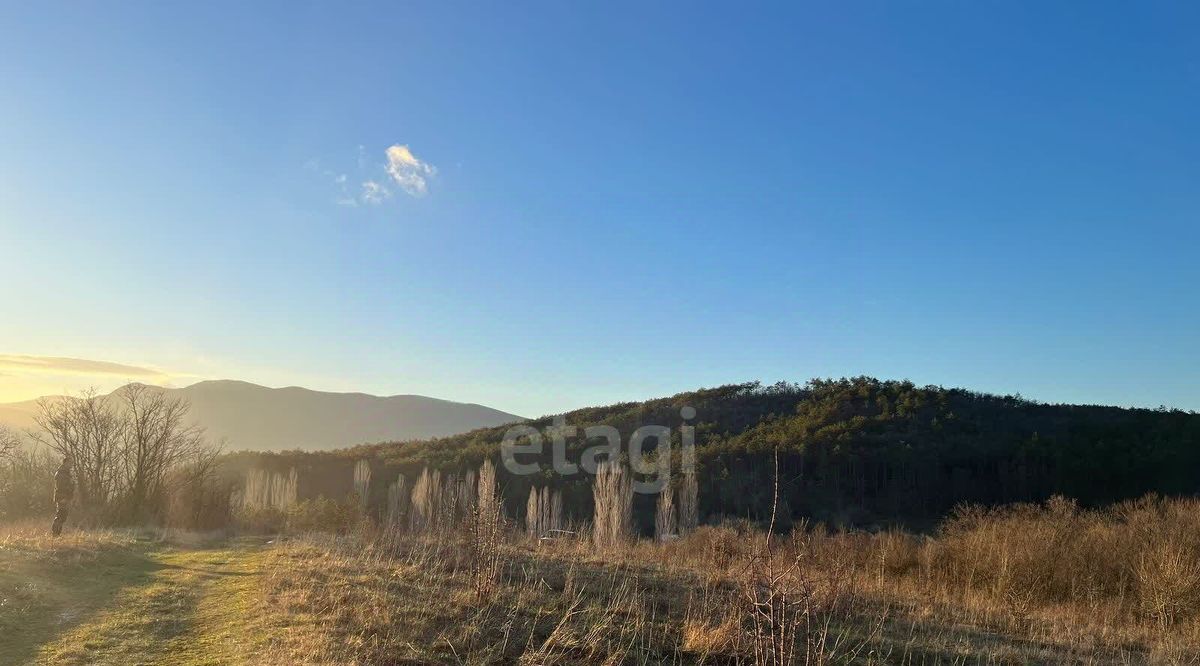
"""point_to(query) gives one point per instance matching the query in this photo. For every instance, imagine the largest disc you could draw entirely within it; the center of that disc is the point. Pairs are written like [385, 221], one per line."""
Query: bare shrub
[893, 554]
[323, 515]
[1167, 576]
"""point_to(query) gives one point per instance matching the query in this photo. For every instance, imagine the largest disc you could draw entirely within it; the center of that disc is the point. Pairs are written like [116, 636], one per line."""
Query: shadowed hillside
[853, 451]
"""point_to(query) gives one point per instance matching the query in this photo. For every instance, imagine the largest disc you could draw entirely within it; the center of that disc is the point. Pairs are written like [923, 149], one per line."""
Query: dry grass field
[1047, 584]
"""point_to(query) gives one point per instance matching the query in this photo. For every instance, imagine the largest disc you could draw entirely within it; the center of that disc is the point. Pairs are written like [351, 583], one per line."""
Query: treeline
[853, 451]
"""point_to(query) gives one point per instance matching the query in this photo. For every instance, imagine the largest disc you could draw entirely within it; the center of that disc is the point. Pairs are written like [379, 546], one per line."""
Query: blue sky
[604, 203]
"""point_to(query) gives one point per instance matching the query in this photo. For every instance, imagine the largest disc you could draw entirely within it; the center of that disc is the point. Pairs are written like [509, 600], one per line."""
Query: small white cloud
[402, 169]
[374, 193]
[409, 172]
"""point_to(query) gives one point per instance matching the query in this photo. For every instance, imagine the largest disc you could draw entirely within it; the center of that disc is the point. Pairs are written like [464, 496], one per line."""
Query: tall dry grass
[397, 503]
[426, 514]
[689, 502]
[1024, 584]
[544, 512]
[362, 483]
[268, 490]
[612, 495]
[1048, 583]
[665, 521]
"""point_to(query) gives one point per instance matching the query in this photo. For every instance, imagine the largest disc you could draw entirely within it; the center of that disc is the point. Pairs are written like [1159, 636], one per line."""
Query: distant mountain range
[249, 416]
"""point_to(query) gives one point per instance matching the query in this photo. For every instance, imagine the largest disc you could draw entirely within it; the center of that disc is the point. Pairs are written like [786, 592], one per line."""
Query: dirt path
[196, 607]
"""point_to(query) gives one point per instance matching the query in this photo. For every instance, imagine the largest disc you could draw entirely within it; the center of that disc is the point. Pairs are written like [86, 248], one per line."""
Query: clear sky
[583, 205]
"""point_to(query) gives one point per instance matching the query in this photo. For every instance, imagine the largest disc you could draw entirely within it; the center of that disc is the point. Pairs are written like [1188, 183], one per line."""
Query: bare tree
[195, 497]
[129, 446]
[9, 442]
[90, 431]
[156, 439]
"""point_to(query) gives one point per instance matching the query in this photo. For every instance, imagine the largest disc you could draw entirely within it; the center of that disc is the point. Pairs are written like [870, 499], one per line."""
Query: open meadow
[1025, 584]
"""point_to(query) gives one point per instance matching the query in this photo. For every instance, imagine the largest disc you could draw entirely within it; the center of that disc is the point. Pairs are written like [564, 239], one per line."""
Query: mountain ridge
[251, 416]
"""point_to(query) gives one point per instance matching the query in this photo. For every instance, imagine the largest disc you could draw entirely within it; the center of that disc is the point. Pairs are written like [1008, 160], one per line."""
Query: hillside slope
[851, 451]
[19, 415]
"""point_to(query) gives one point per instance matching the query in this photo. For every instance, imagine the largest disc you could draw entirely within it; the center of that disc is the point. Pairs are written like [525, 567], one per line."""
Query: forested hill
[851, 451]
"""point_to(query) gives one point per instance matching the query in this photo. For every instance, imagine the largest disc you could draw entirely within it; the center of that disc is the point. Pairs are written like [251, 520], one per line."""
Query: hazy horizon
[87, 382]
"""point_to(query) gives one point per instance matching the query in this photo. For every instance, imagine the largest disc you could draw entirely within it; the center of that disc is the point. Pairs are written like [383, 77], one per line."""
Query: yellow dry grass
[1048, 584]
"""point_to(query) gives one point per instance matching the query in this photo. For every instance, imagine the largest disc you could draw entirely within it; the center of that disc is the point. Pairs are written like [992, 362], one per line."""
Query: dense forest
[856, 451]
